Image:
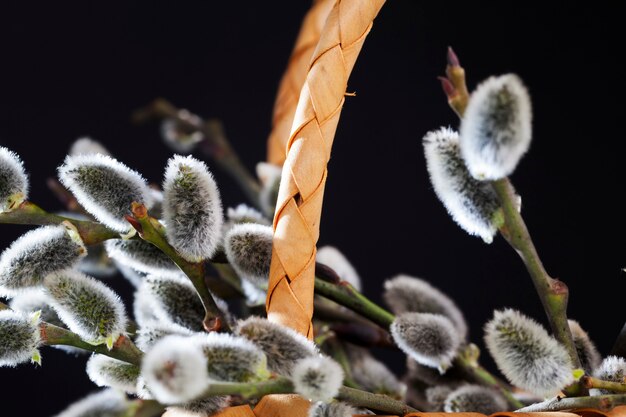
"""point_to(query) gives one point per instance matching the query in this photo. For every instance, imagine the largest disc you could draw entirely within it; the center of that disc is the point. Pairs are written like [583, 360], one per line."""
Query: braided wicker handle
[293, 79]
[299, 205]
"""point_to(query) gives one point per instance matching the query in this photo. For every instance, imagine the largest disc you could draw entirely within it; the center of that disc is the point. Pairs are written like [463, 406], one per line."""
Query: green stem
[552, 292]
[152, 231]
[124, 349]
[214, 145]
[591, 382]
[349, 297]
[346, 295]
[29, 213]
[467, 361]
[599, 402]
[250, 390]
[376, 402]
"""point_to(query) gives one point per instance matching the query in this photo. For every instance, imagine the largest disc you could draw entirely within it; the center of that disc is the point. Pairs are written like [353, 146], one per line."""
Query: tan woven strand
[299, 204]
[293, 78]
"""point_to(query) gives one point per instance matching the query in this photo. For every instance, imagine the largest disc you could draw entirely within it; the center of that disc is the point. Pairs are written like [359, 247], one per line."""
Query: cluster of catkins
[49, 275]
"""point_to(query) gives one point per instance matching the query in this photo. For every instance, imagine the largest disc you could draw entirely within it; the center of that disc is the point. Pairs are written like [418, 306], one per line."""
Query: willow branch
[378, 402]
[250, 390]
[30, 214]
[123, 349]
[599, 402]
[349, 297]
[150, 230]
[591, 382]
[215, 144]
[552, 292]
[346, 295]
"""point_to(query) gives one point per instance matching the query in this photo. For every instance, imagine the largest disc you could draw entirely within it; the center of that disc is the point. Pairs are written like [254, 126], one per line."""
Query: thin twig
[599, 402]
[123, 349]
[152, 231]
[591, 382]
[349, 297]
[30, 214]
[552, 292]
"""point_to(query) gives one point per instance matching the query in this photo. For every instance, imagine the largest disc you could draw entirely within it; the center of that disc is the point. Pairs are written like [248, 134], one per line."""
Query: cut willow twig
[123, 349]
[349, 297]
[552, 292]
[215, 144]
[599, 402]
[591, 382]
[29, 213]
[152, 231]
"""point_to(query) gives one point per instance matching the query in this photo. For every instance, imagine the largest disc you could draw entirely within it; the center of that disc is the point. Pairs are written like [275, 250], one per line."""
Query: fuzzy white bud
[317, 378]
[333, 258]
[430, 339]
[283, 346]
[106, 403]
[233, 358]
[19, 338]
[497, 127]
[33, 300]
[141, 256]
[406, 294]
[526, 354]
[36, 254]
[87, 306]
[269, 175]
[86, 145]
[613, 369]
[97, 263]
[173, 300]
[108, 372]
[175, 370]
[245, 214]
[585, 348]
[148, 335]
[436, 396]
[472, 204]
[192, 208]
[13, 180]
[105, 187]
[179, 137]
[205, 407]
[474, 398]
[248, 248]
[373, 375]
[334, 409]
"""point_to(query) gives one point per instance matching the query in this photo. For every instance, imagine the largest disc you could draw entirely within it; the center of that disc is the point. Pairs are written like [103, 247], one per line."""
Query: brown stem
[214, 145]
[152, 231]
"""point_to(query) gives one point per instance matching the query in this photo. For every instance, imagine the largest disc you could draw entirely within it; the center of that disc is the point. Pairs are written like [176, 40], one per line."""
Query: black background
[79, 69]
